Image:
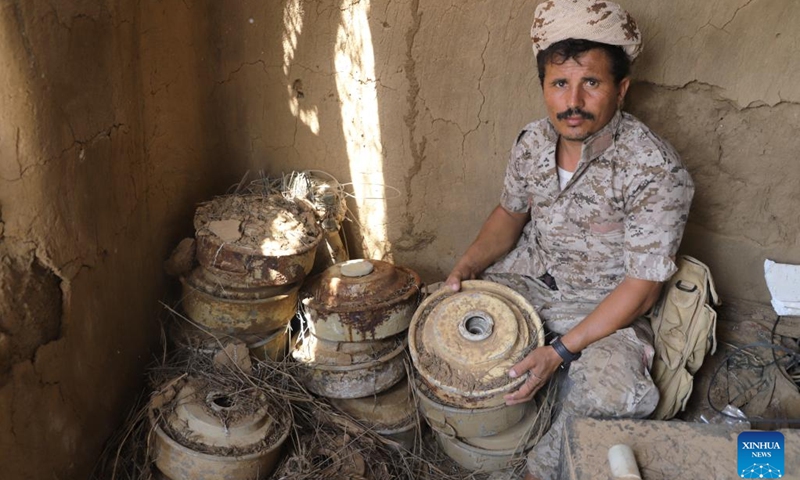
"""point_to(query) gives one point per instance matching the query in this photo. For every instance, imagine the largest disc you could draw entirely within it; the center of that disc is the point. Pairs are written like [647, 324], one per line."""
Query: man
[591, 216]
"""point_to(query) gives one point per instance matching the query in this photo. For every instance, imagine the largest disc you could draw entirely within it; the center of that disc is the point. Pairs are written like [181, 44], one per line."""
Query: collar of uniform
[596, 144]
[601, 140]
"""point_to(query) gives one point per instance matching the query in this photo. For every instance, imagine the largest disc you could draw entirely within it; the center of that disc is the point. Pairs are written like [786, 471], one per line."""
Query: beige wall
[105, 145]
[116, 117]
[453, 83]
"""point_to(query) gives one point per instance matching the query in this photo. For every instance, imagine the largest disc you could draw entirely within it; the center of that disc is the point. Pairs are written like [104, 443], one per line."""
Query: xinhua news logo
[761, 455]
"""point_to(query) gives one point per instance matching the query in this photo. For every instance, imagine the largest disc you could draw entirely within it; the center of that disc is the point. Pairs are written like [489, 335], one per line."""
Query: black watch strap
[562, 351]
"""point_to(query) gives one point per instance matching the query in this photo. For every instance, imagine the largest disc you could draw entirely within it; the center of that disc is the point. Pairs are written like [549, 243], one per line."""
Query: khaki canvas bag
[684, 324]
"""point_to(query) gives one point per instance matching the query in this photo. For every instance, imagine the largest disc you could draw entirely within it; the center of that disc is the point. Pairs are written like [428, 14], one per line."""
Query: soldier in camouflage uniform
[590, 219]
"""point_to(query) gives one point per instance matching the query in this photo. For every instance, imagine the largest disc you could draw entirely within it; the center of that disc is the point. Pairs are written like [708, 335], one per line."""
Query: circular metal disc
[464, 343]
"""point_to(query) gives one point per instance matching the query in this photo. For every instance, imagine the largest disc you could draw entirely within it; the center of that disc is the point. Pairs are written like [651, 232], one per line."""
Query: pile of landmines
[241, 276]
[352, 348]
[462, 345]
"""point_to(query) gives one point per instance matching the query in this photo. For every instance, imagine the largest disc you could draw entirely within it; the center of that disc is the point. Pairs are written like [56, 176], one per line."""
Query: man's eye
[560, 83]
[592, 83]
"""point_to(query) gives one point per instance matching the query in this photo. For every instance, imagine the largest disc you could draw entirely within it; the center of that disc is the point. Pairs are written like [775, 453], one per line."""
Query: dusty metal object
[344, 306]
[464, 343]
[208, 433]
[330, 251]
[257, 311]
[466, 422]
[274, 346]
[495, 452]
[390, 413]
[350, 369]
[277, 240]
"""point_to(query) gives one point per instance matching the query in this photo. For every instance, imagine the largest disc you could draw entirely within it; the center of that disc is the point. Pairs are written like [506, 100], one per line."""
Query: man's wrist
[566, 355]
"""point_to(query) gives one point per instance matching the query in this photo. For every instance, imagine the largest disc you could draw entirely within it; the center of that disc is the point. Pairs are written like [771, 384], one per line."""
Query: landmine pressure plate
[256, 240]
[360, 300]
[464, 343]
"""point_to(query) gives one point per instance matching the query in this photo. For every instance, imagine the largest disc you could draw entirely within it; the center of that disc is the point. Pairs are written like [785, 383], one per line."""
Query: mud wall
[428, 96]
[103, 152]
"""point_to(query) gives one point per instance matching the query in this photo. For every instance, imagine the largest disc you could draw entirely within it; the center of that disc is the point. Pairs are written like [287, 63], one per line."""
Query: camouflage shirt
[622, 213]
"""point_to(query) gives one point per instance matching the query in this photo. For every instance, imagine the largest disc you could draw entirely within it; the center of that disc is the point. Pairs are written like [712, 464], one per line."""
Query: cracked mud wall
[455, 82]
[105, 146]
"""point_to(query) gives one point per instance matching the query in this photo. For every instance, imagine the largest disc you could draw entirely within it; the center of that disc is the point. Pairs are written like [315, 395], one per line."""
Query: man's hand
[458, 275]
[540, 365]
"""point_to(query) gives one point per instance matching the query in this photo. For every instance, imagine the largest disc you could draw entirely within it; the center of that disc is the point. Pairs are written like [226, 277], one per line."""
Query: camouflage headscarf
[596, 20]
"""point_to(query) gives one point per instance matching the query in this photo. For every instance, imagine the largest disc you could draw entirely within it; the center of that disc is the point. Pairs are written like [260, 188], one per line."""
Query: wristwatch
[562, 351]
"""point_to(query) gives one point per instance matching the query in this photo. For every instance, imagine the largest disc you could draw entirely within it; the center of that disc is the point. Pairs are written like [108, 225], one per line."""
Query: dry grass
[324, 442]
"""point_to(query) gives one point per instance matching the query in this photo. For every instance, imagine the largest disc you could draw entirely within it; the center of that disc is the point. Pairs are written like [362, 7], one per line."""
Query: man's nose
[576, 97]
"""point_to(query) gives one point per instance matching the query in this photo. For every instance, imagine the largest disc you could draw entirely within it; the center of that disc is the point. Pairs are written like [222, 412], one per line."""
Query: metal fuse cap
[464, 343]
[360, 300]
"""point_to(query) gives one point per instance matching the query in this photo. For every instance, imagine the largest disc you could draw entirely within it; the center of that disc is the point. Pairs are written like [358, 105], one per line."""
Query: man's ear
[623, 90]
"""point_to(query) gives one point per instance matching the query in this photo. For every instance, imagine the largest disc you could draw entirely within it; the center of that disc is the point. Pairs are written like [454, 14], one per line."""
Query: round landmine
[489, 454]
[350, 369]
[465, 422]
[390, 414]
[207, 432]
[360, 300]
[464, 343]
[256, 240]
[261, 310]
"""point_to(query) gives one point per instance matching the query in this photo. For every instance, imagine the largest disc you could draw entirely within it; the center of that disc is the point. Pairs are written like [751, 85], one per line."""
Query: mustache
[572, 112]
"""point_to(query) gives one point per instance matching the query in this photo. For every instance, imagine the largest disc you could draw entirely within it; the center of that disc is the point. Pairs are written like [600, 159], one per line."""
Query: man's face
[582, 98]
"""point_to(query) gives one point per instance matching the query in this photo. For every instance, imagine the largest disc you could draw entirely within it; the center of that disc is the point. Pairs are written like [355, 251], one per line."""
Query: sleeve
[515, 197]
[657, 208]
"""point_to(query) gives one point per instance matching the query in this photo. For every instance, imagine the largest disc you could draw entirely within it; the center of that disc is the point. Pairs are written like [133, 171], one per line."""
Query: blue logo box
[761, 455]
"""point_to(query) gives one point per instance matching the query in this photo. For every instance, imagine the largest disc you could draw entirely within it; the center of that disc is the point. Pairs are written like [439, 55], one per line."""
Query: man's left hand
[540, 365]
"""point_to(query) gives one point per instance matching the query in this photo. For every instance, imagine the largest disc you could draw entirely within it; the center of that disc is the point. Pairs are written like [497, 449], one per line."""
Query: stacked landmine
[462, 345]
[352, 349]
[203, 430]
[253, 252]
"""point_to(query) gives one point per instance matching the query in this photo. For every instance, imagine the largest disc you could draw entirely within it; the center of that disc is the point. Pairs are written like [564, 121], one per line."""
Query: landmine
[350, 369]
[360, 300]
[205, 431]
[253, 251]
[352, 350]
[237, 312]
[494, 452]
[462, 345]
[390, 414]
[256, 240]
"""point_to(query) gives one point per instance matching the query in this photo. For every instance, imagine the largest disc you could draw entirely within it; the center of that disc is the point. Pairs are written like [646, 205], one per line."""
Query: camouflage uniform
[622, 214]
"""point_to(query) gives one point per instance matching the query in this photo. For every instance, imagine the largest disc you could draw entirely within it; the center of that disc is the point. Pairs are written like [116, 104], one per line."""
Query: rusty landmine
[255, 240]
[453, 421]
[463, 343]
[204, 430]
[360, 300]
[258, 314]
[350, 369]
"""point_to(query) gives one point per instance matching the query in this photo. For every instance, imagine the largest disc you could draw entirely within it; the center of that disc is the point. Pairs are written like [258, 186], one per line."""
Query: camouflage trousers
[611, 379]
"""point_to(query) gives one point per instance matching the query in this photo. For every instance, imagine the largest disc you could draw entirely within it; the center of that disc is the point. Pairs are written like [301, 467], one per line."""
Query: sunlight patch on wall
[292, 29]
[358, 93]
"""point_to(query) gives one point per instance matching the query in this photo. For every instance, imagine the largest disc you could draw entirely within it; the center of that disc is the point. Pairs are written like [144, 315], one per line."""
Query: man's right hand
[458, 275]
